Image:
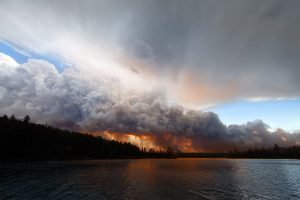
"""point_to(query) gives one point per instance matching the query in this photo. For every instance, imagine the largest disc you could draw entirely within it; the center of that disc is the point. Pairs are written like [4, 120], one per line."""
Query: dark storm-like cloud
[247, 48]
[94, 103]
[201, 51]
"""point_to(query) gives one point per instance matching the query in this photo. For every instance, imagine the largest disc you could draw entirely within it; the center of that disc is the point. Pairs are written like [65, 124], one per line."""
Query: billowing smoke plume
[85, 102]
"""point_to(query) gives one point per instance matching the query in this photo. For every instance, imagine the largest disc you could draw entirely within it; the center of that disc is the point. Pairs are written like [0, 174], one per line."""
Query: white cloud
[7, 60]
[203, 53]
[263, 99]
[91, 102]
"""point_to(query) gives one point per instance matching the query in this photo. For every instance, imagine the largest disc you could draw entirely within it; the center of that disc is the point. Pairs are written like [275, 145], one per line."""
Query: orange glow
[183, 144]
[141, 140]
[194, 90]
[151, 141]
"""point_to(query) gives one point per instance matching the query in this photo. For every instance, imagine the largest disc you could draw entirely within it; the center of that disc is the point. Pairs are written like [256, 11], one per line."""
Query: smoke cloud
[204, 51]
[94, 103]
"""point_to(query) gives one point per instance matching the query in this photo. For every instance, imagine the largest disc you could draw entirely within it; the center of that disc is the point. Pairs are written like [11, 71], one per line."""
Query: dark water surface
[180, 179]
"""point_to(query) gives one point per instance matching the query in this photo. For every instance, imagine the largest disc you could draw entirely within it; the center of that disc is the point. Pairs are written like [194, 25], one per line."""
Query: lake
[143, 179]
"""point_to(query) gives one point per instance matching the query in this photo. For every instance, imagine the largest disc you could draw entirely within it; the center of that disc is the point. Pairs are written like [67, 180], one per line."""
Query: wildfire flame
[142, 140]
[152, 141]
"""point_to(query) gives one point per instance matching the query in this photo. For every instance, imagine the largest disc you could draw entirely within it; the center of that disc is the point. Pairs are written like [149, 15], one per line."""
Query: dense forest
[275, 152]
[21, 139]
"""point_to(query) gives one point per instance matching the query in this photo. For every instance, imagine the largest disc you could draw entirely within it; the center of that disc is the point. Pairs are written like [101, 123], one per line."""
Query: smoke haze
[94, 103]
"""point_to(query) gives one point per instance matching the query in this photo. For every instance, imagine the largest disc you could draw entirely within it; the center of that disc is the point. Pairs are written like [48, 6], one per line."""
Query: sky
[84, 64]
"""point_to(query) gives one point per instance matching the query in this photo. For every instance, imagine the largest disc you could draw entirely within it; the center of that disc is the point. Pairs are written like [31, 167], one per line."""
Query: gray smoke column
[74, 100]
[207, 51]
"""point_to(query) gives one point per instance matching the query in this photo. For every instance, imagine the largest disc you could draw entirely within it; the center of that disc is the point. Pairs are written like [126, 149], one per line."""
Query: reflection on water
[151, 179]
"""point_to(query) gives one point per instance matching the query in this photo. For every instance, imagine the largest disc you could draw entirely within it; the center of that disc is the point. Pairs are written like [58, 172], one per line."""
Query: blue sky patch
[277, 113]
[21, 55]
[16, 55]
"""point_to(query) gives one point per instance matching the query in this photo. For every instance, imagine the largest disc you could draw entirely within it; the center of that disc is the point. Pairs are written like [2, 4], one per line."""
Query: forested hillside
[21, 139]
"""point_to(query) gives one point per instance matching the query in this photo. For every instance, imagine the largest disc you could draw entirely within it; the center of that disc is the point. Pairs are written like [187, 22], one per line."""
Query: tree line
[275, 152]
[22, 139]
[292, 152]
